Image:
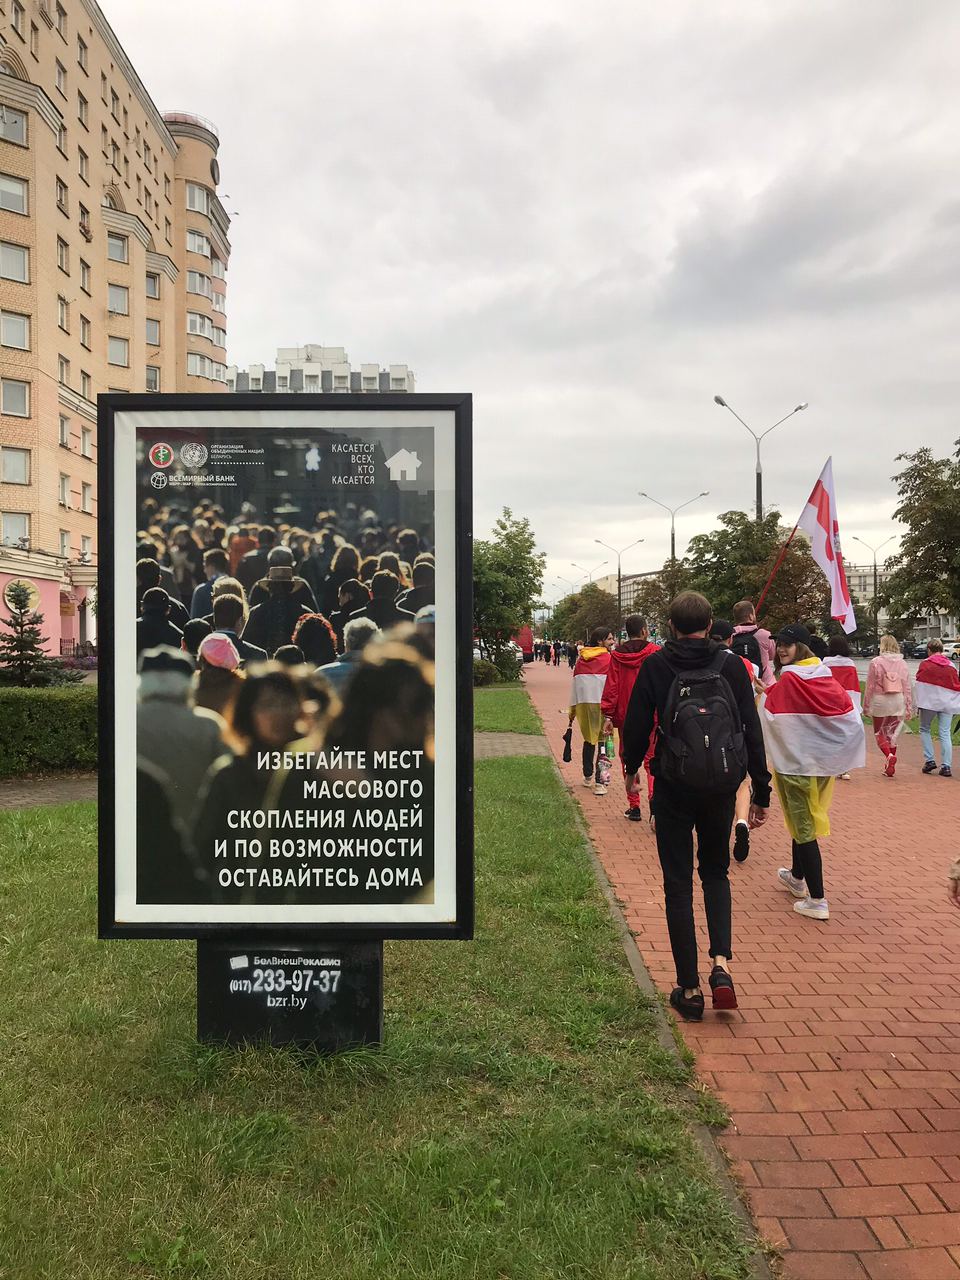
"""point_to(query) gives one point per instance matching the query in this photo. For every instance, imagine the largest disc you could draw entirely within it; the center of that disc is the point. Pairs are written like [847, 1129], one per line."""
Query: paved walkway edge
[703, 1135]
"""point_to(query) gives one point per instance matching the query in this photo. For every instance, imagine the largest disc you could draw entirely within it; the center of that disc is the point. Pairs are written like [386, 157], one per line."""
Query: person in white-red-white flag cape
[819, 520]
[938, 700]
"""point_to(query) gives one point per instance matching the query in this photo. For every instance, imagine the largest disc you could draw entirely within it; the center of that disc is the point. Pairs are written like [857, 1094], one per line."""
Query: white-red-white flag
[819, 520]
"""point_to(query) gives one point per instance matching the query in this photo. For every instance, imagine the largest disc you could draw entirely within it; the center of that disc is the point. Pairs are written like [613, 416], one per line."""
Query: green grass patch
[521, 1120]
[504, 709]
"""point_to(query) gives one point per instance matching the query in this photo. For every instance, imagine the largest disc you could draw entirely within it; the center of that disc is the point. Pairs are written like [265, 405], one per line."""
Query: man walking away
[708, 739]
[625, 663]
[937, 699]
[745, 625]
[722, 632]
[589, 677]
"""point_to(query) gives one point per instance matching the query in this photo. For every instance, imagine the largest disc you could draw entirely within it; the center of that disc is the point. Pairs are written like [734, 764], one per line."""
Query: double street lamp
[588, 572]
[876, 606]
[723, 404]
[618, 554]
[673, 514]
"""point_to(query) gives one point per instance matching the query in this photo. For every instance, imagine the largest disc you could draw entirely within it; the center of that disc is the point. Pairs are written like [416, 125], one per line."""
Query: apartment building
[316, 368]
[113, 256]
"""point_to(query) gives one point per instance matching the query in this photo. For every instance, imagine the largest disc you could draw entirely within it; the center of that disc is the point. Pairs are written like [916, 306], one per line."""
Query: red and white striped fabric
[819, 520]
[811, 728]
[937, 687]
[844, 671]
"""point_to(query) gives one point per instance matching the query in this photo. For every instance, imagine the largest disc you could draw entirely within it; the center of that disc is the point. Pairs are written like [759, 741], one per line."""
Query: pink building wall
[49, 607]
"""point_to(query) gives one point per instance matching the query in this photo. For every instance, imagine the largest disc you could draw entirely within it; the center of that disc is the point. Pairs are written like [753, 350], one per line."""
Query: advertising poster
[285, 689]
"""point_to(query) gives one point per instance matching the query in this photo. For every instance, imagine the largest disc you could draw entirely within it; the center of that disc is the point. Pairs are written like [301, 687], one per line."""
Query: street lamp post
[876, 606]
[723, 404]
[589, 572]
[673, 512]
[618, 554]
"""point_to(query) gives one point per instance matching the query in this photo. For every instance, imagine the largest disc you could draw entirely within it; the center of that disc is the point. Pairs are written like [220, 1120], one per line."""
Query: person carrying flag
[937, 699]
[625, 663]
[589, 677]
[812, 733]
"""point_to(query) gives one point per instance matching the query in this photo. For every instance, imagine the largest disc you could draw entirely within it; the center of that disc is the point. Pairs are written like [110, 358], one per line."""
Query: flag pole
[773, 572]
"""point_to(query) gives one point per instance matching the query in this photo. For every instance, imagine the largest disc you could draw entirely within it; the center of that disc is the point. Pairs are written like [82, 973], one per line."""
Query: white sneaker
[599, 790]
[588, 782]
[789, 881]
[815, 908]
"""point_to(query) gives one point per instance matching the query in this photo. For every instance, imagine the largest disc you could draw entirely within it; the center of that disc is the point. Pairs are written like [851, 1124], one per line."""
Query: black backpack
[746, 644]
[702, 743]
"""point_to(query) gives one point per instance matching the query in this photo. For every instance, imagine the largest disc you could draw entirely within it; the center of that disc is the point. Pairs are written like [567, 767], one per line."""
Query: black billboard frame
[461, 405]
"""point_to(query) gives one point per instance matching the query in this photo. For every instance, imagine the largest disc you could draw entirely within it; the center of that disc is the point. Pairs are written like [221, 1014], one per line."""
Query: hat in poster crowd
[795, 633]
[167, 660]
[219, 651]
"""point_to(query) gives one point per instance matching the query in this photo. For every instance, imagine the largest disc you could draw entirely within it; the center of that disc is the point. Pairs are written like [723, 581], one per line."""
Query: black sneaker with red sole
[724, 992]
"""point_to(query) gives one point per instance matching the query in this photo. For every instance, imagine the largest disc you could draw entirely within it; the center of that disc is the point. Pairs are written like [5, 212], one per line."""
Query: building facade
[113, 255]
[316, 368]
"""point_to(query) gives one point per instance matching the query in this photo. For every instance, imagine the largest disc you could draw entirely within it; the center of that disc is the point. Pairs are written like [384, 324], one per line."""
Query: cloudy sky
[595, 217]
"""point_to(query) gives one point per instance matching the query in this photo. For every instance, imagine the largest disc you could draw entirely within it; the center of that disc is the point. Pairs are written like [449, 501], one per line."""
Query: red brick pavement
[840, 1068]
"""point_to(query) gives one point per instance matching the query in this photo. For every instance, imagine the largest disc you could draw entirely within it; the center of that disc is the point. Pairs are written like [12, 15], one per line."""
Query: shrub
[509, 670]
[484, 673]
[47, 729]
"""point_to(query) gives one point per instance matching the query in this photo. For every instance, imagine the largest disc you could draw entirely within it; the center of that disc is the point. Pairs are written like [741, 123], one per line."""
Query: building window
[197, 323]
[312, 382]
[218, 302]
[81, 53]
[13, 194]
[15, 397]
[64, 431]
[153, 285]
[126, 123]
[153, 377]
[62, 138]
[17, 12]
[198, 243]
[166, 230]
[63, 314]
[199, 283]
[14, 262]
[62, 21]
[147, 157]
[63, 255]
[115, 105]
[217, 269]
[63, 195]
[13, 126]
[85, 223]
[115, 155]
[63, 370]
[118, 352]
[35, 40]
[86, 498]
[15, 466]
[83, 111]
[85, 385]
[14, 330]
[118, 300]
[198, 198]
[63, 496]
[84, 276]
[86, 441]
[61, 78]
[116, 247]
[103, 87]
[14, 528]
[219, 336]
[153, 333]
[86, 546]
[105, 141]
[166, 185]
[65, 543]
[83, 164]
[147, 201]
[85, 332]
[282, 383]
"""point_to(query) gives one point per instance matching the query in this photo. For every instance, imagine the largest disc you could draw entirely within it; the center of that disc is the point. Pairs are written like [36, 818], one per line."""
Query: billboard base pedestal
[324, 998]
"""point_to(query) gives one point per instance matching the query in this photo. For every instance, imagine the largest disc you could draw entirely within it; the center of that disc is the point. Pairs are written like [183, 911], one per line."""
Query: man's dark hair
[156, 600]
[743, 611]
[281, 556]
[934, 646]
[148, 573]
[690, 612]
[635, 624]
[289, 655]
[838, 647]
[598, 635]
[194, 633]
[217, 558]
[227, 612]
[266, 535]
[385, 585]
[721, 630]
[424, 574]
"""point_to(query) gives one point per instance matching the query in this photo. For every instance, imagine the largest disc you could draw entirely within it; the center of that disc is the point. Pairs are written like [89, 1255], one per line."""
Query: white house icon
[403, 465]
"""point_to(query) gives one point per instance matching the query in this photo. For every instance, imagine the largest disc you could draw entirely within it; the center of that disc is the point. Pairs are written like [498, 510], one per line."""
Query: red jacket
[625, 663]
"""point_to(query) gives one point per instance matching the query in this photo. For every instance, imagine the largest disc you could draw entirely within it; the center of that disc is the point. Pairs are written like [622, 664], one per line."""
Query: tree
[576, 615]
[507, 581]
[926, 573]
[653, 595]
[22, 657]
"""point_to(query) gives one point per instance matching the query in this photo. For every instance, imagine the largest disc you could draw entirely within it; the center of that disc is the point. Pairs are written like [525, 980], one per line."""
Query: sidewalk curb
[705, 1138]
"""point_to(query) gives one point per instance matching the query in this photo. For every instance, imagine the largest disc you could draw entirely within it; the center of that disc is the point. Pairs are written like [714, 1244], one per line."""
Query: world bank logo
[193, 454]
[158, 480]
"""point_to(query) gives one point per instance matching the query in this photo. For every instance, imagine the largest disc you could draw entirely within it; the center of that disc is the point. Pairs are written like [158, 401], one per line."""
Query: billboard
[284, 613]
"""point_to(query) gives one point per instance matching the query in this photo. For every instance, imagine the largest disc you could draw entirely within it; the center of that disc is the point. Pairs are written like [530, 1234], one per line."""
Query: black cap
[165, 658]
[796, 633]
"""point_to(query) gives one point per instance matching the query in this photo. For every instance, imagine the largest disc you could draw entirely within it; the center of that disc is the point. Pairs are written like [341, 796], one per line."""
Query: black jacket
[649, 699]
[154, 629]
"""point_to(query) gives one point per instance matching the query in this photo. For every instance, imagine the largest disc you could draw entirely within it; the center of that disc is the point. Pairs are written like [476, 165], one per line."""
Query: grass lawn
[504, 709]
[520, 1122]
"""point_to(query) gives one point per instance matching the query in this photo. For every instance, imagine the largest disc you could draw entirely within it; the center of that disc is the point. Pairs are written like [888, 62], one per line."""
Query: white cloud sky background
[595, 218]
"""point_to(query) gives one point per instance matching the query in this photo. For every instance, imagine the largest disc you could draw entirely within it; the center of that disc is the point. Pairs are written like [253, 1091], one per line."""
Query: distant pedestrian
[571, 656]
[708, 739]
[745, 624]
[938, 700]
[589, 677]
[817, 646]
[812, 734]
[154, 626]
[845, 673]
[888, 699]
[625, 663]
[722, 632]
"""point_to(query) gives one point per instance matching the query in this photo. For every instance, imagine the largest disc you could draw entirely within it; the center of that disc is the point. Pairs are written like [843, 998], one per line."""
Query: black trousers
[679, 814]
[808, 865]
[589, 749]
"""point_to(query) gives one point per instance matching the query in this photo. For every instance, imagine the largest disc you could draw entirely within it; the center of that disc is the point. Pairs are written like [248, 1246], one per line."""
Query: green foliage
[507, 581]
[484, 673]
[653, 595]
[926, 573]
[576, 615]
[22, 658]
[509, 670]
[47, 729]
